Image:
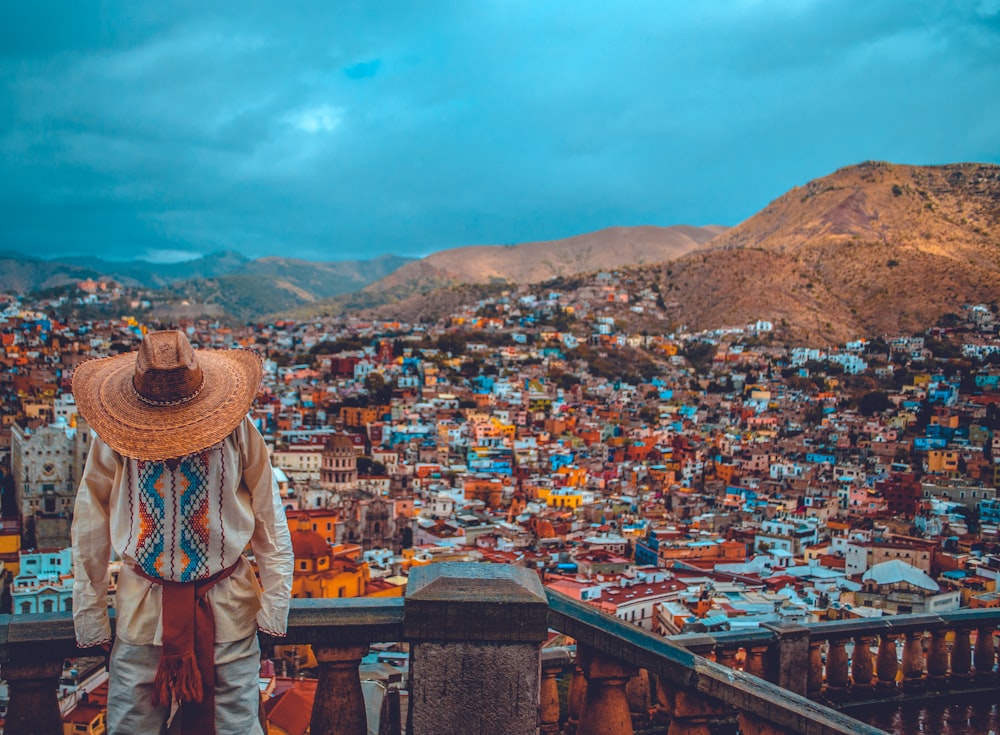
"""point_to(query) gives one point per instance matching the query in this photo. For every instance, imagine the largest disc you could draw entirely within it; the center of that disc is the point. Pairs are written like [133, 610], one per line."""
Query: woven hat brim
[106, 398]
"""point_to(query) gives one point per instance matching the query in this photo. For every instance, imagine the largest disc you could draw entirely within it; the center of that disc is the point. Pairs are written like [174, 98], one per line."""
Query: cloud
[344, 130]
[321, 119]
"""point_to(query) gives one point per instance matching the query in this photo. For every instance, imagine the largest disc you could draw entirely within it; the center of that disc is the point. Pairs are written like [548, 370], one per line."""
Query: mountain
[158, 275]
[532, 262]
[872, 249]
[21, 273]
[279, 285]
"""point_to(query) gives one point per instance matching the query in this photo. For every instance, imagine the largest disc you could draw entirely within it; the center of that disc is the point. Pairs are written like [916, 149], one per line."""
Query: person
[177, 483]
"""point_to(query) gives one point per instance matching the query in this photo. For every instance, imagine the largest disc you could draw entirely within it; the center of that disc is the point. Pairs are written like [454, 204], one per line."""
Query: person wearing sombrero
[177, 484]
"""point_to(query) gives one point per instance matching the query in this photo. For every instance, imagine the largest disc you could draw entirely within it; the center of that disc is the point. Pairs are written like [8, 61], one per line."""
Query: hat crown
[166, 369]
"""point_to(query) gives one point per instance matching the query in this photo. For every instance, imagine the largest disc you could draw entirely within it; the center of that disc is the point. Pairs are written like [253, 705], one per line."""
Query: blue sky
[342, 130]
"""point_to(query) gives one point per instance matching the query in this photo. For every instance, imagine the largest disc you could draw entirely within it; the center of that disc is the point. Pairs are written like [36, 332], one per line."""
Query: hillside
[407, 290]
[281, 285]
[871, 249]
[21, 274]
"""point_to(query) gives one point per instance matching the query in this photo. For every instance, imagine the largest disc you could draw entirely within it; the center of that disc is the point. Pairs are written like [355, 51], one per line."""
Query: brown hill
[871, 249]
[533, 262]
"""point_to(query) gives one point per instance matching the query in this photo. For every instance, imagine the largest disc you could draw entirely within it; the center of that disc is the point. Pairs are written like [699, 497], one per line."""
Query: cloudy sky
[341, 129]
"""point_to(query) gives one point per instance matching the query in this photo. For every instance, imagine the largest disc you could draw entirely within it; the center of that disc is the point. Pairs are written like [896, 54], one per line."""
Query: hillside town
[681, 481]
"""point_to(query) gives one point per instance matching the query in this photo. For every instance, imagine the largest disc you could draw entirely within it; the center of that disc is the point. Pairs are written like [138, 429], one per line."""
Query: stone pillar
[756, 661]
[552, 667]
[475, 656]
[339, 708]
[836, 669]
[33, 708]
[605, 706]
[862, 665]
[886, 663]
[913, 660]
[961, 656]
[815, 682]
[984, 654]
[726, 656]
[792, 657]
[574, 699]
[638, 696]
[937, 658]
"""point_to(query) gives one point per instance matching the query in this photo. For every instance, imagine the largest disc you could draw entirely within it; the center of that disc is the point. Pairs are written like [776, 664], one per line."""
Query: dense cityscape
[682, 482]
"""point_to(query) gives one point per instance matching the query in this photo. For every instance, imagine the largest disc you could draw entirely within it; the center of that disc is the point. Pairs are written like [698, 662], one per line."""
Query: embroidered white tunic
[181, 520]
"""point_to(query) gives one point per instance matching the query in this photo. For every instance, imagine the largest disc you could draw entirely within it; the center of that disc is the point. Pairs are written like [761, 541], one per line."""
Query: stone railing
[475, 634]
[864, 659]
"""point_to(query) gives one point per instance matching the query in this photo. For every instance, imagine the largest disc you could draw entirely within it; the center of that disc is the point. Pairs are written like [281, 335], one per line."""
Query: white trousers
[130, 691]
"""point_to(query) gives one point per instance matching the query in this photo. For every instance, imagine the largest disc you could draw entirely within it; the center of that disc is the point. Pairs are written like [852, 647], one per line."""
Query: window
[47, 606]
[25, 608]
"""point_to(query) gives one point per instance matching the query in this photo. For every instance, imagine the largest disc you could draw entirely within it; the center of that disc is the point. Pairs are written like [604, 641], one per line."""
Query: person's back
[177, 484]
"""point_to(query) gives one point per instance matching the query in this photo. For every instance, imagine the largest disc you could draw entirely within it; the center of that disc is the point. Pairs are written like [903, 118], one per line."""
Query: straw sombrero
[166, 400]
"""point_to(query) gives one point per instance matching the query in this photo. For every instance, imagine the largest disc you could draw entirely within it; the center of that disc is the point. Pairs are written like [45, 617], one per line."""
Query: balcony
[477, 666]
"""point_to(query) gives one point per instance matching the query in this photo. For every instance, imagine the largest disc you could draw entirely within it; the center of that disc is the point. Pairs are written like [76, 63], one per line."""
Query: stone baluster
[33, 707]
[913, 660]
[961, 656]
[862, 665]
[984, 654]
[605, 705]
[886, 663]
[391, 720]
[339, 708]
[638, 697]
[663, 702]
[574, 699]
[814, 684]
[475, 634]
[548, 710]
[756, 660]
[726, 656]
[836, 669]
[937, 658]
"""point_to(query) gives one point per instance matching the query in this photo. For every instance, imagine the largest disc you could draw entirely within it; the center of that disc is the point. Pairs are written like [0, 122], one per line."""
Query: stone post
[475, 656]
[553, 663]
[862, 665]
[339, 707]
[886, 663]
[33, 708]
[574, 699]
[639, 701]
[836, 668]
[605, 705]
[961, 655]
[792, 662]
[937, 658]
[984, 654]
[815, 680]
[913, 660]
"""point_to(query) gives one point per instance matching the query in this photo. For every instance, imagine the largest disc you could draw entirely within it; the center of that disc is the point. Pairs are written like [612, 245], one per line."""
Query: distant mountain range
[871, 249]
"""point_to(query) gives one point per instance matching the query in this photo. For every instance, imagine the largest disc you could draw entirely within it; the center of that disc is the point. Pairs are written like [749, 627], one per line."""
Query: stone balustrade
[475, 634]
[864, 659]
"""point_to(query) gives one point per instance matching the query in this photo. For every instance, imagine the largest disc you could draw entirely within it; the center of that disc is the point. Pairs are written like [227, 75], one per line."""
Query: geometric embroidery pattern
[193, 511]
[150, 543]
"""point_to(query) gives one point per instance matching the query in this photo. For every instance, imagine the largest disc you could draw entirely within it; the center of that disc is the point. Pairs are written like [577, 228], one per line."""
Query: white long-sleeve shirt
[181, 520]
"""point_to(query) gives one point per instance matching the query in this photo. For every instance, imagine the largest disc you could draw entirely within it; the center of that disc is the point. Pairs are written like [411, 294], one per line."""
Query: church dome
[309, 545]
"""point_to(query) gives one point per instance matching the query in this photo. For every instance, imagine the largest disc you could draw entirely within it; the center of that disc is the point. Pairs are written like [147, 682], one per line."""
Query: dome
[309, 545]
[339, 444]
